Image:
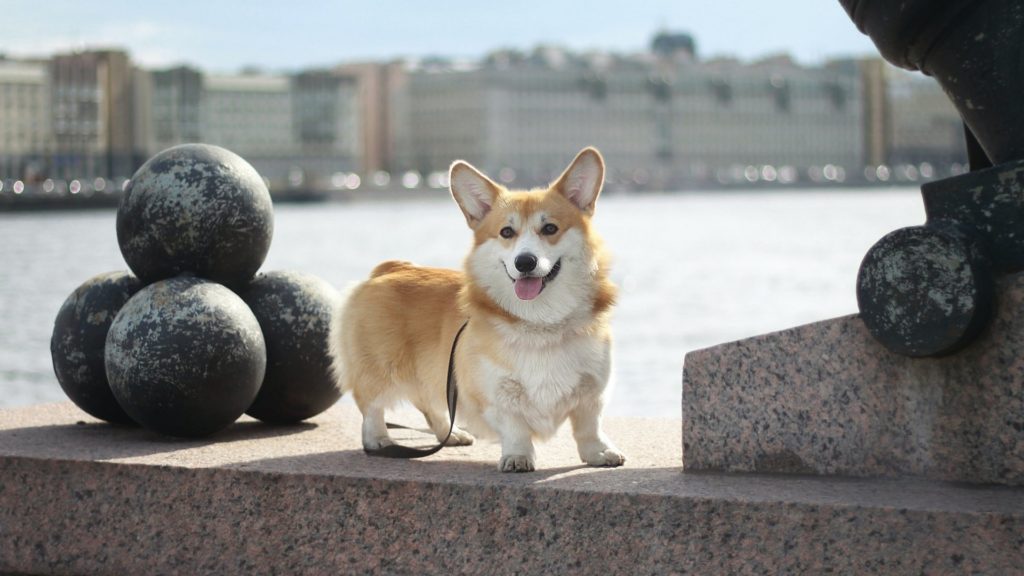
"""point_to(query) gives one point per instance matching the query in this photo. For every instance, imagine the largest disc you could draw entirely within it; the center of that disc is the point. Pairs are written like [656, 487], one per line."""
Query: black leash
[452, 391]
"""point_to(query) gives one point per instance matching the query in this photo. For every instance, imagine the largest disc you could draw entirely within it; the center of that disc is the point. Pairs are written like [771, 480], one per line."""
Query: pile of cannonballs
[193, 338]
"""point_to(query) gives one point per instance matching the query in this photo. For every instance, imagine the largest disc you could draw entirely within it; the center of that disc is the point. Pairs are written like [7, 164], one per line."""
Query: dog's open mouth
[529, 287]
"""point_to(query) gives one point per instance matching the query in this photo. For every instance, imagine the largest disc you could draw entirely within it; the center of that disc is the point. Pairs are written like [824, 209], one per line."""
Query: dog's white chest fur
[544, 378]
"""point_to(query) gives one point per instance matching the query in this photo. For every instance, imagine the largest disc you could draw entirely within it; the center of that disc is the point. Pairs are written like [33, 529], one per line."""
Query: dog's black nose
[526, 262]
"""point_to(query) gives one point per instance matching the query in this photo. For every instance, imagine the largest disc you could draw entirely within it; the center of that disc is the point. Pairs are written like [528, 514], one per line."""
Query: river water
[695, 269]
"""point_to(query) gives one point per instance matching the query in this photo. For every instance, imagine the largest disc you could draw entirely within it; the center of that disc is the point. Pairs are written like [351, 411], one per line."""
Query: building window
[781, 91]
[836, 94]
[722, 90]
[660, 88]
[594, 85]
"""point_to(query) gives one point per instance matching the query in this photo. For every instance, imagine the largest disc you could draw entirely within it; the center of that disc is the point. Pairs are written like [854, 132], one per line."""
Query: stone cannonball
[294, 310]
[185, 357]
[199, 209]
[79, 336]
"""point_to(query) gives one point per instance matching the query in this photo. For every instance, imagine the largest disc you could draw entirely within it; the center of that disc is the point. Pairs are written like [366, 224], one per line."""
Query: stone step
[825, 398]
[82, 497]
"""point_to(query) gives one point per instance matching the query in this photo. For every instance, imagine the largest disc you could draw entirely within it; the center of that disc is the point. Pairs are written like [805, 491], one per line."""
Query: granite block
[81, 497]
[825, 398]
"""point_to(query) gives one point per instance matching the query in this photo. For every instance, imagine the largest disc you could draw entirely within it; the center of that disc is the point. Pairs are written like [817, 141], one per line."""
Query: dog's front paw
[516, 463]
[377, 443]
[609, 457]
[459, 437]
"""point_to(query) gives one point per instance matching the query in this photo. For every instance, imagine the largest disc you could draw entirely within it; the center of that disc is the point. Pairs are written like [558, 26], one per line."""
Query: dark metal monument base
[928, 290]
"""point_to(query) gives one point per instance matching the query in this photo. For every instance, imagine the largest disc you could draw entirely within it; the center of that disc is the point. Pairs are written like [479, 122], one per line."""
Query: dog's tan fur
[523, 366]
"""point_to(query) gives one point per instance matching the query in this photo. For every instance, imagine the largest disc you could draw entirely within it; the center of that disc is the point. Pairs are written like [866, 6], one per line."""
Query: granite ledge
[78, 496]
[825, 398]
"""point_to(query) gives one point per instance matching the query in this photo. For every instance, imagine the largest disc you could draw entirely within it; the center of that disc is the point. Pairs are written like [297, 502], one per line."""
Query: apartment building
[909, 119]
[376, 86]
[297, 130]
[26, 136]
[658, 121]
[326, 114]
[170, 104]
[91, 101]
[925, 127]
[251, 115]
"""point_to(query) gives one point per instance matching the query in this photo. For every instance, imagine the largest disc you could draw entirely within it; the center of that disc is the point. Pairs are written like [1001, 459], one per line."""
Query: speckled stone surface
[825, 398]
[81, 497]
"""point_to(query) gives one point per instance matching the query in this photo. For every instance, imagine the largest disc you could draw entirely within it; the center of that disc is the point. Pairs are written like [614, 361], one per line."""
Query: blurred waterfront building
[664, 119]
[661, 121]
[296, 130]
[376, 85]
[325, 109]
[674, 45]
[925, 125]
[168, 107]
[912, 130]
[251, 115]
[26, 137]
[91, 99]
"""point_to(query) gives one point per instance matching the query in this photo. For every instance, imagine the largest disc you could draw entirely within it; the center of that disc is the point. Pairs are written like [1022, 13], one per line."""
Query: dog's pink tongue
[528, 288]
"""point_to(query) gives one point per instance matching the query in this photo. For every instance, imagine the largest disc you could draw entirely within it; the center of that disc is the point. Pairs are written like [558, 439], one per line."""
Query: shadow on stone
[477, 466]
[101, 441]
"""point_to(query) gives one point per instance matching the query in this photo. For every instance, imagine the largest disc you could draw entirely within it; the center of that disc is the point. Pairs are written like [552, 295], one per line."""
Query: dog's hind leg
[375, 429]
[438, 418]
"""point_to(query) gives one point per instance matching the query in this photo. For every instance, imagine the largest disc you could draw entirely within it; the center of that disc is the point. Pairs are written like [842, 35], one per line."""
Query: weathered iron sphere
[294, 311]
[79, 336]
[199, 209]
[185, 357]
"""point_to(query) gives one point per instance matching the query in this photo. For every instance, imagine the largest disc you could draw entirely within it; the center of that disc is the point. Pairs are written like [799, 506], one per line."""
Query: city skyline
[665, 120]
[280, 36]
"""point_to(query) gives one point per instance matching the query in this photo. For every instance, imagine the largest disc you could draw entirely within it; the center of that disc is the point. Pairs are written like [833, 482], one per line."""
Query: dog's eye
[507, 232]
[548, 229]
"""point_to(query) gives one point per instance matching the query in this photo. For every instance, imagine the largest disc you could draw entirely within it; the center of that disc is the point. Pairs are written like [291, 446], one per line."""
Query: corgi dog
[536, 299]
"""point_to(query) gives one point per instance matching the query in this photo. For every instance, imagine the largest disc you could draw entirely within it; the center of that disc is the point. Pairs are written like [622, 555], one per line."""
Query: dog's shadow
[455, 470]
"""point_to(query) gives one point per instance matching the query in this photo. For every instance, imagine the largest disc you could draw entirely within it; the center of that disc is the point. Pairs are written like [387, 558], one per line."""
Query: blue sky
[225, 35]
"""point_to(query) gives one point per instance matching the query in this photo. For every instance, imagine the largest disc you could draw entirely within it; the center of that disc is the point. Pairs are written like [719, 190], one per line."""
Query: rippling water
[695, 269]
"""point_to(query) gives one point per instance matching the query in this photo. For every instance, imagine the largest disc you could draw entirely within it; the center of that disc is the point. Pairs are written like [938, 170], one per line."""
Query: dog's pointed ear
[473, 192]
[582, 181]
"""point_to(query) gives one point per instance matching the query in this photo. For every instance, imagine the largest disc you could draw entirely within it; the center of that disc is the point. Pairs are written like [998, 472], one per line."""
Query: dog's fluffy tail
[391, 266]
[335, 340]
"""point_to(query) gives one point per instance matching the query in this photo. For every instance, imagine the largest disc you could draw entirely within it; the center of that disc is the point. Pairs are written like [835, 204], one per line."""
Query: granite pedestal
[81, 497]
[825, 398]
